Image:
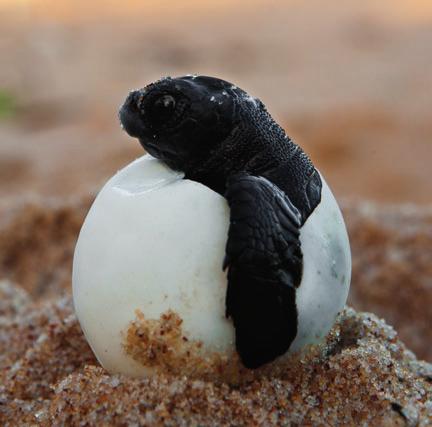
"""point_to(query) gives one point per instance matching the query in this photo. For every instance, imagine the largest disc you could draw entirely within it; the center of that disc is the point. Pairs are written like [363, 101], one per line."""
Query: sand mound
[48, 374]
[392, 268]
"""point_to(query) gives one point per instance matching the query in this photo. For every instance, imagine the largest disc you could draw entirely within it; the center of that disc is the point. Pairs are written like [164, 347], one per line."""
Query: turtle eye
[162, 109]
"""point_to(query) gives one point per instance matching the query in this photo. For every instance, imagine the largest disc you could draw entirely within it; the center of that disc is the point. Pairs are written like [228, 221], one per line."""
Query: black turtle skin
[221, 137]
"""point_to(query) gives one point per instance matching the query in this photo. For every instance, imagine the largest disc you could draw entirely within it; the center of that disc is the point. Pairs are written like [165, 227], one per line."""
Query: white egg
[154, 242]
[151, 241]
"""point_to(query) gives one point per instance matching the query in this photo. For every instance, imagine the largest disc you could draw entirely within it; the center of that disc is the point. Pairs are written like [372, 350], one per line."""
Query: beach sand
[364, 373]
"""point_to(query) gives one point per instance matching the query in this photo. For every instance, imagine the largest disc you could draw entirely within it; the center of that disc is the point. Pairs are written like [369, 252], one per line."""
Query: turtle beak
[130, 114]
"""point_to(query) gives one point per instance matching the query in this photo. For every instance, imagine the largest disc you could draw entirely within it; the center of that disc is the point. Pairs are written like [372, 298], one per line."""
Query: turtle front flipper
[265, 262]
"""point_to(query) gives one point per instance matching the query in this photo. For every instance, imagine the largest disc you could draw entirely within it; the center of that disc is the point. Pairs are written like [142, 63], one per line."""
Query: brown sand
[392, 268]
[364, 373]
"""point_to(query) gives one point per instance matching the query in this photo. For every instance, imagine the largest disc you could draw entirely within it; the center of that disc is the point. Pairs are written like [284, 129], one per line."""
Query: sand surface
[364, 374]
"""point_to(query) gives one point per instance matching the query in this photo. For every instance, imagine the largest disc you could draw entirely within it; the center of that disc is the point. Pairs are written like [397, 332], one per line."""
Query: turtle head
[181, 121]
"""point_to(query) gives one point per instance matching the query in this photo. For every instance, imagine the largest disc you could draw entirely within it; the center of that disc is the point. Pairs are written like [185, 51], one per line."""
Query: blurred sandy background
[350, 81]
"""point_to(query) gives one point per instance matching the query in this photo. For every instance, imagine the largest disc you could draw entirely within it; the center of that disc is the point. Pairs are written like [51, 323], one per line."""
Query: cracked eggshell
[151, 241]
[154, 242]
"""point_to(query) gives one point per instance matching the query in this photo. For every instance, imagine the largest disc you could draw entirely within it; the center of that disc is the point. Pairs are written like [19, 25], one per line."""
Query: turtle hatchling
[225, 222]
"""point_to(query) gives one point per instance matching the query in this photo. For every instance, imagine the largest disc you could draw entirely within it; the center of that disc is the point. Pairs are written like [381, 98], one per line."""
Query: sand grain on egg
[163, 345]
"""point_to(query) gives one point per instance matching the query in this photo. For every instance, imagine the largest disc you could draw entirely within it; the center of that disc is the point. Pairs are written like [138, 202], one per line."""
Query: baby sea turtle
[219, 136]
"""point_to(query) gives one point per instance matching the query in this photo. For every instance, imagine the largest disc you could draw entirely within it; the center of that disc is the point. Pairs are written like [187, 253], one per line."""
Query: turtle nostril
[134, 100]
